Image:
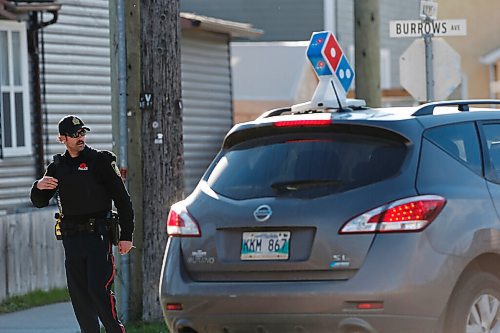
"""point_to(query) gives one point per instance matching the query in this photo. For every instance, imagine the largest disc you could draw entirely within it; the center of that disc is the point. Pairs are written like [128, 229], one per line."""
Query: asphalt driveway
[53, 318]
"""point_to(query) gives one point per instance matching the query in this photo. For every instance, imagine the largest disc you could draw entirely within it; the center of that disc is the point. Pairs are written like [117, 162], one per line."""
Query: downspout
[330, 16]
[123, 141]
[34, 51]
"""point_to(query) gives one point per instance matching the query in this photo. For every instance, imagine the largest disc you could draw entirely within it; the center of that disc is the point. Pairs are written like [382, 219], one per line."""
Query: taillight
[174, 307]
[304, 122]
[409, 214]
[180, 223]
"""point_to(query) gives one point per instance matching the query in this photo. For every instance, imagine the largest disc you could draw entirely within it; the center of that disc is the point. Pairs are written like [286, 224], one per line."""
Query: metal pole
[429, 73]
[123, 157]
[329, 9]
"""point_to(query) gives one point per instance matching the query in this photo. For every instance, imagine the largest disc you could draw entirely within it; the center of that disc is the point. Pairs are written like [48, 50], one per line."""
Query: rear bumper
[411, 284]
[303, 324]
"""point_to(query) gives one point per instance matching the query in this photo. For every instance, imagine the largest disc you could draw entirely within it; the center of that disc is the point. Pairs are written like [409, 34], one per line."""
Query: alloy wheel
[484, 315]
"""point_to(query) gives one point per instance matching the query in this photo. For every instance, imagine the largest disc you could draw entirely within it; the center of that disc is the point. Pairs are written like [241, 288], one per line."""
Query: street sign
[437, 28]
[445, 65]
[428, 10]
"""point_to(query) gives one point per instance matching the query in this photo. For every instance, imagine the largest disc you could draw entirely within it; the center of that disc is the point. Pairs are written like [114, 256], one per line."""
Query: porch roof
[491, 57]
[13, 9]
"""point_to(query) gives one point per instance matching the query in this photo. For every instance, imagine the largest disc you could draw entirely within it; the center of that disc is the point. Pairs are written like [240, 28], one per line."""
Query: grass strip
[32, 299]
[146, 327]
[39, 298]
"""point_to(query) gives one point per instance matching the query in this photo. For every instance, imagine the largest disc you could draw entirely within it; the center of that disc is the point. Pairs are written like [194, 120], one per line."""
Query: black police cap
[70, 125]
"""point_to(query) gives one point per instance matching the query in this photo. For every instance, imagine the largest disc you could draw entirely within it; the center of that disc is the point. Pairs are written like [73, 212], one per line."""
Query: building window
[14, 93]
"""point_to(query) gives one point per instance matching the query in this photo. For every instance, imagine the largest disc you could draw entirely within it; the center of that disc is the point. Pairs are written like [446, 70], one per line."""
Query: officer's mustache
[80, 142]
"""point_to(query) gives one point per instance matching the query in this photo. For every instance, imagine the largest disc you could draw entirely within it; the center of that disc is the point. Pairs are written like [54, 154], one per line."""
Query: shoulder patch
[109, 157]
[115, 168]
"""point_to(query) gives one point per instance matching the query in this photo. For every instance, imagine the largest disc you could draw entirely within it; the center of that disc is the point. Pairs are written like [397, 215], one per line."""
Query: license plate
[270, 245]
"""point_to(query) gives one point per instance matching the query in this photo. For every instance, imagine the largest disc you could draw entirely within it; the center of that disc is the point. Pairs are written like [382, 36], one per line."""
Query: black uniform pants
[90, 272]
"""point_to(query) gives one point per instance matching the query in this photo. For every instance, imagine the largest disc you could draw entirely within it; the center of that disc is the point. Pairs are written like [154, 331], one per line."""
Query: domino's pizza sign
[327, 57]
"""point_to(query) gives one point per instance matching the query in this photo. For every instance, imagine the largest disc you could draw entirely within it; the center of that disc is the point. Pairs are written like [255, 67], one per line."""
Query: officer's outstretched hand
[124, 246]
[46, 183]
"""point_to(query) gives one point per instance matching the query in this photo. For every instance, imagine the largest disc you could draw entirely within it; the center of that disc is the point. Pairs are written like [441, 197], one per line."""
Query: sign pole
[428, 13]
[429, 72]
[438, 82]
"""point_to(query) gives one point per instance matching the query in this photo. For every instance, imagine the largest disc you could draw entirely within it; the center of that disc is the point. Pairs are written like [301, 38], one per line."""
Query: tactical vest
[81, 190]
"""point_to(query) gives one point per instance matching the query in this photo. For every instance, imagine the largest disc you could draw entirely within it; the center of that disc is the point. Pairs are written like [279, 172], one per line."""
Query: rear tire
[475, 305]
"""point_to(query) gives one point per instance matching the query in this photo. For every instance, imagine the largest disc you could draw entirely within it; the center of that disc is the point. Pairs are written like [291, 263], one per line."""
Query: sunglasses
[77, 134]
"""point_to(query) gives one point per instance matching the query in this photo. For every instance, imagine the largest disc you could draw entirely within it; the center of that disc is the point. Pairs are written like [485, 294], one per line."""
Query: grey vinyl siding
[206, 95]
[345, 23]
[281, 20]
[77, 66]
[77, 77]
[16, 177]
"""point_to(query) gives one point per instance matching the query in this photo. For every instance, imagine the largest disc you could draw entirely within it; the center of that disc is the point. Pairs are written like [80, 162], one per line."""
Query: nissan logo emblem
[263, 213]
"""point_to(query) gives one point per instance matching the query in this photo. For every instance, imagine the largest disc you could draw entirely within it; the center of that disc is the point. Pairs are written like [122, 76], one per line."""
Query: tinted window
[492, 134]
[460, 141]
[307, 165]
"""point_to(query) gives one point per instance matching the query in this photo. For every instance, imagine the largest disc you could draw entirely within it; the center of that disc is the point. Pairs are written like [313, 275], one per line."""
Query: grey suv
[356, 220]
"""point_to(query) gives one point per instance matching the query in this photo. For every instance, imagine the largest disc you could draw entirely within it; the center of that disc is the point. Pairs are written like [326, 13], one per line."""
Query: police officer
[85, 182]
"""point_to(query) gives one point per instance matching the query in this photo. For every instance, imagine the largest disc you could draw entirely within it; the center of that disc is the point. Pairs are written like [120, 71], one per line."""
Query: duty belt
[98, 225]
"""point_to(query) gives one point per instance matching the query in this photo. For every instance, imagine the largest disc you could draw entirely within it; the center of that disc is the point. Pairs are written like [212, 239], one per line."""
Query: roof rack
[309, 107]
[326, 104]
[463, 105]
[274, 112]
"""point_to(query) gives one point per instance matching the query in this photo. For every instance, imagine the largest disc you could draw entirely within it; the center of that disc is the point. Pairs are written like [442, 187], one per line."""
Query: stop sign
[446, 68]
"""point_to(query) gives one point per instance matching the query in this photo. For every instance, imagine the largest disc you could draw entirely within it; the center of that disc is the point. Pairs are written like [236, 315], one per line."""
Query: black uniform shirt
[87, 186]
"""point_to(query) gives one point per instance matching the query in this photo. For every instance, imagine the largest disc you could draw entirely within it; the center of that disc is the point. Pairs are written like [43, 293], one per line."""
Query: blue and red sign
[327, 57]
[315, 53]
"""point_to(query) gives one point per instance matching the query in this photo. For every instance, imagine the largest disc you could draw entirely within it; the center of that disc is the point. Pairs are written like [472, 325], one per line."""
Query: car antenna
[341, 108]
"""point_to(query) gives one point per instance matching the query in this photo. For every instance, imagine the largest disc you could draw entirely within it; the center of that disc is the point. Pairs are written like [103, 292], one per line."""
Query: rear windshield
[303, 165]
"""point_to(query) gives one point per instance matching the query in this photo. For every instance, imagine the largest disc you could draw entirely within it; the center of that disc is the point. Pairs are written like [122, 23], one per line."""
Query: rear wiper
[300, 184]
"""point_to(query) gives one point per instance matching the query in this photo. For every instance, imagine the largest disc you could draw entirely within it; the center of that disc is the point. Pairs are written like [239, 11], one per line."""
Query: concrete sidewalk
[53, 318]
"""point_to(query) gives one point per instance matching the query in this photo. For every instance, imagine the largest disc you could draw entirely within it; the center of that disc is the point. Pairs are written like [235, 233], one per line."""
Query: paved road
[54, 318]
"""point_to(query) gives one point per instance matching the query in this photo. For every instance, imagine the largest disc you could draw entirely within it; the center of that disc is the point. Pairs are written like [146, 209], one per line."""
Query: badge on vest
[83, 167]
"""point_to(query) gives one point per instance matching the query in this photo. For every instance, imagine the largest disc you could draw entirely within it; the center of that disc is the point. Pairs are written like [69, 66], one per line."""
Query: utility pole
[161, 137]
[125, 20]
[134, 176]
[154, 141]
[367, 51]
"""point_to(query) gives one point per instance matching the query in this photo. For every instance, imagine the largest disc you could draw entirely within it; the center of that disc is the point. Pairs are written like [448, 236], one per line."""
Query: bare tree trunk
[162, 147]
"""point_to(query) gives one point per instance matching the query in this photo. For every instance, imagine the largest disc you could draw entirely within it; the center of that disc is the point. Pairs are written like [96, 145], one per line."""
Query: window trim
[19, 27]
[475, 125]
[489, 173]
